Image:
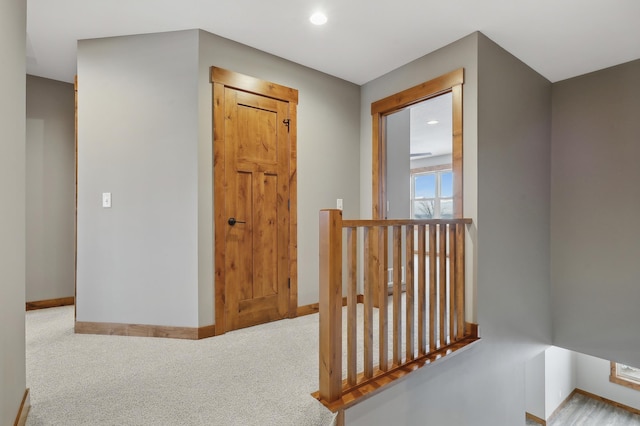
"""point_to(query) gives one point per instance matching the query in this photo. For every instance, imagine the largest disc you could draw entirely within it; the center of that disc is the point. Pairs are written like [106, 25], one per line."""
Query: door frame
[448, 83]
[221, 79]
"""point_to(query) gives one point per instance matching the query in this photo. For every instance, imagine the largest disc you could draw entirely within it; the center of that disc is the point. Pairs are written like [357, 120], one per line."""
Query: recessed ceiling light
[318, 18]
[433, 122]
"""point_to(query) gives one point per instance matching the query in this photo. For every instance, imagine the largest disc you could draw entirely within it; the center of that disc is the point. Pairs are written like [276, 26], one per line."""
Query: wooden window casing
[448, 83]
[616, 378]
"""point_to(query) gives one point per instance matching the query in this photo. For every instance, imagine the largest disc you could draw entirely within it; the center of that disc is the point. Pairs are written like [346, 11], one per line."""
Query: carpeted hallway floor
[256, 376]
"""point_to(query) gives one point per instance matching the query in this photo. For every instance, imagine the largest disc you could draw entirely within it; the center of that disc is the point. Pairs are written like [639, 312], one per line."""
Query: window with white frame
[432, 194]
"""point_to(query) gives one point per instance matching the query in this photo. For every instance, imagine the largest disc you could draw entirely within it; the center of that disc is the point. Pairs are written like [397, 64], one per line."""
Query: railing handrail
[444, 316]
[355, 223]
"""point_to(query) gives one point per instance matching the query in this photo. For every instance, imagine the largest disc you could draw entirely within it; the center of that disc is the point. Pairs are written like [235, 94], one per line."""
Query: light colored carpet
[256, 376]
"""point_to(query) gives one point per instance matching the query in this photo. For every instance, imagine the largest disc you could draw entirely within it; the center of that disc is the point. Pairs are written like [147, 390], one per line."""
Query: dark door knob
[232, 221]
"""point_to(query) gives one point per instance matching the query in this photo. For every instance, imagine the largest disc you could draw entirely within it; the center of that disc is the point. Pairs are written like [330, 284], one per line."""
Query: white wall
[50, 189]
[592, 375]
[12, 208]
[595, 200]
[555, 373]
[328, 150]
[506, 129]
[138, 139]
[550, 378]
[560, 377]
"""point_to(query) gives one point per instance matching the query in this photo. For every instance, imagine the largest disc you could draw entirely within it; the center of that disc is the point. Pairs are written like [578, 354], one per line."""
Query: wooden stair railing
[428, 314]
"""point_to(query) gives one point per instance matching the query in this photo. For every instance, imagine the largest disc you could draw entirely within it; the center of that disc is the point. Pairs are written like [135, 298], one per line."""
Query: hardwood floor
[584, 411]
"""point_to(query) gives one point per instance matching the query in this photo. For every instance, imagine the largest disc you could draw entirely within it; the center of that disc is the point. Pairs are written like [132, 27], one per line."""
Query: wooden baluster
[352, 308]
[460, 283]
[422, 330]
[383, 299]
[370, 256]
[330, 305]
[442, 292]
[409, 293]
[397, 295]
[433, 251]
[452, 282]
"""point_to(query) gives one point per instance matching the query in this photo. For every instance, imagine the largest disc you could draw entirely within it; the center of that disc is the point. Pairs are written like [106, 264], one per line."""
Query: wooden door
[255, 216]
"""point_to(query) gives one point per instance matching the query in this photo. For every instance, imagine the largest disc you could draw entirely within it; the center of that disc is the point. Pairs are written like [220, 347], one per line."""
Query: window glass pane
[423, 209]
[446, 184]
[446, 209]
[425, 186]
[628, 372]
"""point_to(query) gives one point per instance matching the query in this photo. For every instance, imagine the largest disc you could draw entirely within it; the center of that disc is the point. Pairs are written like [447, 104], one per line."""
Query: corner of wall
[12, 208]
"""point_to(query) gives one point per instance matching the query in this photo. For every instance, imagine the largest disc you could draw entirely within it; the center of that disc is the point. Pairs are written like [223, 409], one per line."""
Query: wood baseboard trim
[314, 308]
[142, 330]
[536, 419]
[50, 303]
[206, 331]
[607, 401]
[23, 412]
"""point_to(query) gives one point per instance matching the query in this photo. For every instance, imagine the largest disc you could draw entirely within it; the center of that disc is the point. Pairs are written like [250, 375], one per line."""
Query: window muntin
[432, 194]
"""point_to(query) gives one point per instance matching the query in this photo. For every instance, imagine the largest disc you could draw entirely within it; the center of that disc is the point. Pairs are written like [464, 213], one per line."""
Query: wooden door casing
[255, 183]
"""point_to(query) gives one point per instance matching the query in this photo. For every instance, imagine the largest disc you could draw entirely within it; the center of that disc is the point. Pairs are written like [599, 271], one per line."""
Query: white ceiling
[433, 139]
[363, 38]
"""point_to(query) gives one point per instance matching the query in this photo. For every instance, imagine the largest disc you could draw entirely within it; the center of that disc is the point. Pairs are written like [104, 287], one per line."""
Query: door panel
[266, 237]
[257, 194]
[257, 141]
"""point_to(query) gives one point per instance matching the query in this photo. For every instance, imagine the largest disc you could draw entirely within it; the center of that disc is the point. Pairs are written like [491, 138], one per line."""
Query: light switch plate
[339, 203]
[106, 200]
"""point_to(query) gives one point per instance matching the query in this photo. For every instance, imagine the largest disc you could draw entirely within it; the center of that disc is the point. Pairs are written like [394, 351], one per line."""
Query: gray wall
[12, 210]
[595, 201]
[429, 391]
[535, 386]
[328, 150]
[514, 130]
[399, 165]
[506, 129]
[50, 186]
[145, 134]
[462, 53]
[550, 377]
[138, 139]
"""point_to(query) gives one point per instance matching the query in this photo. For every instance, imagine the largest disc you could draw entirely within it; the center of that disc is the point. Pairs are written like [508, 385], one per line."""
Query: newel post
[330, 301]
